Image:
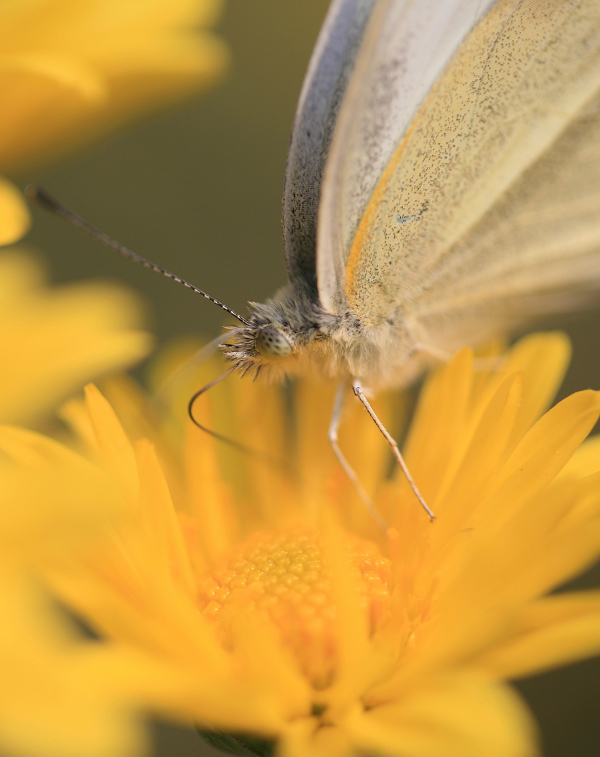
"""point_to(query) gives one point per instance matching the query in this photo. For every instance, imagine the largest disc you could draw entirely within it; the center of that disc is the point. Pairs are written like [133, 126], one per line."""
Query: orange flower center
[284, 575]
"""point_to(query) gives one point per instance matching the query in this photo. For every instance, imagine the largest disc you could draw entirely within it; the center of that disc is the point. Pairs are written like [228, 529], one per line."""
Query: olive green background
[198, 190]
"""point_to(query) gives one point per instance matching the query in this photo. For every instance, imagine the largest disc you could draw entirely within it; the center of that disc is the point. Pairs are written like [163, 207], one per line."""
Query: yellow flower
[268, 605]
[53, 340]
[69, 72]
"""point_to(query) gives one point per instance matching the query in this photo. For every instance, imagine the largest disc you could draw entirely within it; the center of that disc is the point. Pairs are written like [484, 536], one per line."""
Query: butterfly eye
[272, 344]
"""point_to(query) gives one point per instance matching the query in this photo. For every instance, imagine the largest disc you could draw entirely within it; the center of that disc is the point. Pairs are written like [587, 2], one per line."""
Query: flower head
[70, 72]
[267, 603]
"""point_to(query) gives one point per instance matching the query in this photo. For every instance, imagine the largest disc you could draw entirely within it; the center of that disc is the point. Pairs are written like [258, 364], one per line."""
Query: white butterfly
[443, 184]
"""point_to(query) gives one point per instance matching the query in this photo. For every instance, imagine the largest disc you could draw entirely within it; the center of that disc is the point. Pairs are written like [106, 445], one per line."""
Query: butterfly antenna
[50, 203]
[231, 442]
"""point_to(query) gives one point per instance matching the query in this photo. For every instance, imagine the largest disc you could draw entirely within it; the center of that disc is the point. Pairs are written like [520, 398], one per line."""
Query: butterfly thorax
[291, 334]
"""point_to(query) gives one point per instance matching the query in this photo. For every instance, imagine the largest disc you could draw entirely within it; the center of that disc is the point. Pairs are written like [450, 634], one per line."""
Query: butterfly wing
[541, 237]
[406, 46]
[320, 98]
[475, 203]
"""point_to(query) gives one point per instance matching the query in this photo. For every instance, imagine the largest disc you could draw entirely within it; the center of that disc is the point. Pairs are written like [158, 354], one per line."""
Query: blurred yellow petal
[14, 215]
[111, 442]
[459, 716]
[585, 461]
[59, 696]
[550, 632]
[56, 339]
[70, 72]
[44, 98]
[40, 513]
[271, 672]
[162, 521]
[355, 663]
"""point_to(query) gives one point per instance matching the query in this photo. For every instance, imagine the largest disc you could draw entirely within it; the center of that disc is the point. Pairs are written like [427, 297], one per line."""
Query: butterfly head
[266, 344]
[260, 349]
[278, 337]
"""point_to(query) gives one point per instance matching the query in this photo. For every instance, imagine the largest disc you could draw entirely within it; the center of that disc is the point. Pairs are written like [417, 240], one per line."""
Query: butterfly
[442, 185]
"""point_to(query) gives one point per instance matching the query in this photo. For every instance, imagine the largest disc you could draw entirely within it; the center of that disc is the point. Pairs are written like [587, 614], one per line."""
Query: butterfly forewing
[406, 46]
[543, 234]
[512, 90]
[322, 92]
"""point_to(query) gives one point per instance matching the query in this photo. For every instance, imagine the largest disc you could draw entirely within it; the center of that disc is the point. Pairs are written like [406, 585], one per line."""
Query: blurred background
[198, 191]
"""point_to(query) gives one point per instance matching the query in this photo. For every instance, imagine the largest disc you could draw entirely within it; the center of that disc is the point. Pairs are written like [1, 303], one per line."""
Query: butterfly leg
[393, 444]
[336, 417]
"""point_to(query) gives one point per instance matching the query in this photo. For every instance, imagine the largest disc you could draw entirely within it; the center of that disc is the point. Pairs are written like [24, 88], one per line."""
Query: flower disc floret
[285, 576]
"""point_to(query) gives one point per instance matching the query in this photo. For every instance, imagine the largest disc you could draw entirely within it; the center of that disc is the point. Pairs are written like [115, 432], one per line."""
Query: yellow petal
[164, 537]
[440, 416]
[50, 495]
[113, 444]
[455, 716]
[548, 446]
[553, 631]
[70, 72]
[14, 215]
[206, 501]
[62, 697]
[585, 461]
[55, 339]
[544, 359]
[355, 659]
[53, 90]
[481, 460]
[268, 670]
